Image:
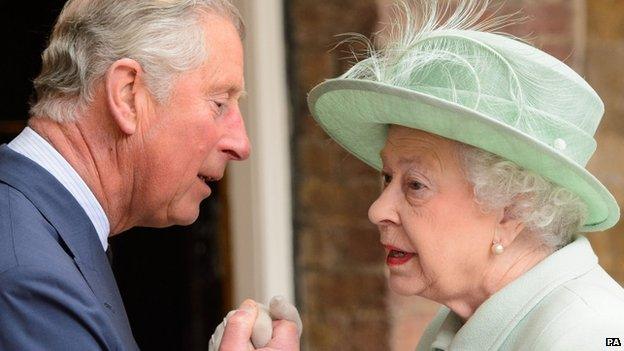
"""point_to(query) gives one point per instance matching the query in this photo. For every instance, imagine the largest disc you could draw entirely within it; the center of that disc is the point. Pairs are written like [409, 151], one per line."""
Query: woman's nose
[383, 210]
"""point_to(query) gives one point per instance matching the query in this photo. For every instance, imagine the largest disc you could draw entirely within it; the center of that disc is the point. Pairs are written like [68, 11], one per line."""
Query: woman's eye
[386, 179]
[416, 185]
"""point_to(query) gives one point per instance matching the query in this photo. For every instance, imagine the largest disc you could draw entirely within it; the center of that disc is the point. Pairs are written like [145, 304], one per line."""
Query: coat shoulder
[581, 312]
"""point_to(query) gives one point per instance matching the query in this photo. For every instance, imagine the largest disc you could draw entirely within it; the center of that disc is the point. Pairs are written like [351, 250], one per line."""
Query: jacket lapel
[73, 225]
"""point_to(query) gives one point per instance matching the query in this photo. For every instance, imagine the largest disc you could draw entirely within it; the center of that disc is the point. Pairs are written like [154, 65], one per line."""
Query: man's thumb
[239, 327]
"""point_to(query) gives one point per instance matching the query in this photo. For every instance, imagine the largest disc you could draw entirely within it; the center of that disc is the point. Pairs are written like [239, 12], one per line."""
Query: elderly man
[136, 111]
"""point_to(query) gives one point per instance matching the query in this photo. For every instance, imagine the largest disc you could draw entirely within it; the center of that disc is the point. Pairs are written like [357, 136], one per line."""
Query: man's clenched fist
[253, 326]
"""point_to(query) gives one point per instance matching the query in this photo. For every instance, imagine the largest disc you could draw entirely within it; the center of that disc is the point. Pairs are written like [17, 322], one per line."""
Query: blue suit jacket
[57, 289]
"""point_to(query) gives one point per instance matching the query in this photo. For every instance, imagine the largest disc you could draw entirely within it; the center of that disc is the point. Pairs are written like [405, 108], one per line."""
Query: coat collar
[64, 213]
[495, 319]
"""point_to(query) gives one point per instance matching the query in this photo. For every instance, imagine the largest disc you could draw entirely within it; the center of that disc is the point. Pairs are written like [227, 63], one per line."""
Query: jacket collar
[495, 319]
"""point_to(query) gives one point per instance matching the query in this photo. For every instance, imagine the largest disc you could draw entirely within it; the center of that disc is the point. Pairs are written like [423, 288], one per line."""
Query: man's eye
[221, 107]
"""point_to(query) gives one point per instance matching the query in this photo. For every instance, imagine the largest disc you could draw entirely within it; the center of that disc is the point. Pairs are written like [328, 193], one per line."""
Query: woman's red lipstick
[397, 257]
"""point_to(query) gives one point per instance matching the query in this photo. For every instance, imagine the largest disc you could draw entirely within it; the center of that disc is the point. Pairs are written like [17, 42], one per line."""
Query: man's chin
[187, 219]
[181, 217]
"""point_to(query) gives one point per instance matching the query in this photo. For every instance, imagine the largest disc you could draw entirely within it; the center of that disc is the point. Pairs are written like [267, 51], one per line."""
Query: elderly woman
[481, 141]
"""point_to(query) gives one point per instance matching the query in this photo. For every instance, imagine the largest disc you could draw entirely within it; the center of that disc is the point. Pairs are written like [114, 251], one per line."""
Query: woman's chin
[405, 287]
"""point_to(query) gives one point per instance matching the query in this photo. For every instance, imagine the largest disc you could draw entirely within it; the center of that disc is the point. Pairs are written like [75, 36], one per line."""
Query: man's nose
[237, 144]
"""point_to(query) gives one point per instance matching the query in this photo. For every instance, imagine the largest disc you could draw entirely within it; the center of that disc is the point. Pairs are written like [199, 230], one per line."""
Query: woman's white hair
[164, 36]
[550, 213]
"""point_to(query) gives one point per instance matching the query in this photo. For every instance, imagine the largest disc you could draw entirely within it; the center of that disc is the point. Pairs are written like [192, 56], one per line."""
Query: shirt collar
[32, 145]
[489, 326]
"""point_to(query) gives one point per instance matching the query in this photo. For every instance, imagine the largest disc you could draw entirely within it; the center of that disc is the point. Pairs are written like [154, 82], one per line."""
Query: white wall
[259, 189]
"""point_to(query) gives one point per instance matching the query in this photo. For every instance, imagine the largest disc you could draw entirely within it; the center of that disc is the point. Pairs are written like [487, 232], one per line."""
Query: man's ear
[508, 228]
[123, 79]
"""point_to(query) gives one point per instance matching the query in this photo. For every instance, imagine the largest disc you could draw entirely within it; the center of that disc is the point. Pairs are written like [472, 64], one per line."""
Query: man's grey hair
[164, 36]
[548, 211]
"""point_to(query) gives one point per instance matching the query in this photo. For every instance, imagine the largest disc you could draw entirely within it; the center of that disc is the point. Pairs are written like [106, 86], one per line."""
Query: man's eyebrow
[225, 84]
[231, 90]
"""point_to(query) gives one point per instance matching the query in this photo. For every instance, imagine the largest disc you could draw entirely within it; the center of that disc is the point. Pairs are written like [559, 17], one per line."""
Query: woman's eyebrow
[414, 159]
[422, 161]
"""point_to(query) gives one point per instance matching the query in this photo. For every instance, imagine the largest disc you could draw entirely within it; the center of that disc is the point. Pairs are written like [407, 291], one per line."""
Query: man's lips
[396, 256]
[207, 179]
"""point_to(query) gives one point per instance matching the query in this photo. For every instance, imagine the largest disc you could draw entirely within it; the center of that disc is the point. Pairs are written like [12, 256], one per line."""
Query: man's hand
[285, 337]
[235, 333]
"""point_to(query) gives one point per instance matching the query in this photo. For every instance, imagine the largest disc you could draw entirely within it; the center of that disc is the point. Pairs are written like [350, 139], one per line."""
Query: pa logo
[613, 342]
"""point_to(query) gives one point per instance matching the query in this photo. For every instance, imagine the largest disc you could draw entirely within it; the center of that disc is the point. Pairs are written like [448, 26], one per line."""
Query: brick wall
[603, 67]
[339, 262]
[340, 272]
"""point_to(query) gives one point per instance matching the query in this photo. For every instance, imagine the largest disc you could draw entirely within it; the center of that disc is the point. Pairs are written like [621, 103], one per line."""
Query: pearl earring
[497, 248]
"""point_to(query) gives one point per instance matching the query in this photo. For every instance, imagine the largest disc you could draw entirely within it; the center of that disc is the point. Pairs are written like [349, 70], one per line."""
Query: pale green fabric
[482, 89]
[567, 302]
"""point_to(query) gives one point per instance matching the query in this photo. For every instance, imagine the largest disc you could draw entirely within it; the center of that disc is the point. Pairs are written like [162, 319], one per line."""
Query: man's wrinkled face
[189, 139]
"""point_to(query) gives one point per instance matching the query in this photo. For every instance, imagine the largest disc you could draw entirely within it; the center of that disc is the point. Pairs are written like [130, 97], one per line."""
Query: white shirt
[32, 145]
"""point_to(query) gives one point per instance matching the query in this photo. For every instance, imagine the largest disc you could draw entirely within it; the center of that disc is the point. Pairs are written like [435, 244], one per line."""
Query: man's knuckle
[290, 327]
[239, 318]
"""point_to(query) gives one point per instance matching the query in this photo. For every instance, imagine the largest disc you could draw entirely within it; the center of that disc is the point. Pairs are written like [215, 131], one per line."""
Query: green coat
[566, 302]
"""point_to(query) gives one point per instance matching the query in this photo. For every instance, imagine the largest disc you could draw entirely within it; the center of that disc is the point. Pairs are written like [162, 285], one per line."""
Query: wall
[339, 262]
[604, 71]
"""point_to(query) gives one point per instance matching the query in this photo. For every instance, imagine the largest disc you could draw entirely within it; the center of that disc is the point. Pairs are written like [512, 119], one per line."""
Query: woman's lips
[397, 257]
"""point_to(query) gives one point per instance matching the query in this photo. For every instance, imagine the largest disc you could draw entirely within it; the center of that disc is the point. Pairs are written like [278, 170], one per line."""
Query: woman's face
[436, 237]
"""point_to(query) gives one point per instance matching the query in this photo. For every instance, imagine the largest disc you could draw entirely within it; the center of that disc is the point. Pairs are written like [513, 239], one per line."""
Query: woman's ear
[508, 228]
[122, 81]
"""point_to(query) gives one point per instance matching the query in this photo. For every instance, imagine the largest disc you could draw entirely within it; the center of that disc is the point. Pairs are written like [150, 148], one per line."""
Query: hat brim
[357, 113]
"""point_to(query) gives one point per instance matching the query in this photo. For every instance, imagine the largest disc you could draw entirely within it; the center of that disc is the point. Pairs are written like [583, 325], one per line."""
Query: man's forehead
[224, 64]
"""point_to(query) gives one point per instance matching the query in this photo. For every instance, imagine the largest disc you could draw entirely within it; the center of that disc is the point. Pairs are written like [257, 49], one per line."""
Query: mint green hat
[483, 89]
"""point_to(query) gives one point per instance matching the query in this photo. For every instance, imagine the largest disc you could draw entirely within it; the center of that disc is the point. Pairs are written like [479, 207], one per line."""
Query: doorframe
[259, 189]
